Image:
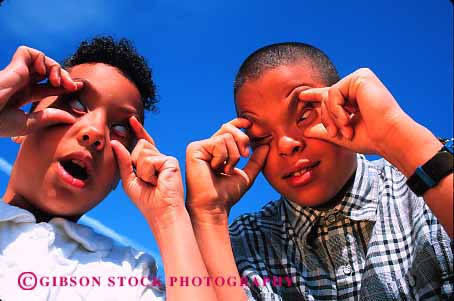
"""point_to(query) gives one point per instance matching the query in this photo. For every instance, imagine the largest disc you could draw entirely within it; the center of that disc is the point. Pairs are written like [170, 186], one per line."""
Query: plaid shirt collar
[359, 203]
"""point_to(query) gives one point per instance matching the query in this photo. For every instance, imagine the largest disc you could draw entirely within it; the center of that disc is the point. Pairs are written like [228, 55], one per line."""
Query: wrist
[167, 217]
[410, 145]
[213, 215]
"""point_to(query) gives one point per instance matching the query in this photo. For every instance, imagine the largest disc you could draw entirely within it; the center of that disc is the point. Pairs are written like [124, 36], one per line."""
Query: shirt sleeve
[247, 238]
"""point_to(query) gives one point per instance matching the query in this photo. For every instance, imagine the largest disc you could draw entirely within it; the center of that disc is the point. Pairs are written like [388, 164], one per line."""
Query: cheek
[272, 170]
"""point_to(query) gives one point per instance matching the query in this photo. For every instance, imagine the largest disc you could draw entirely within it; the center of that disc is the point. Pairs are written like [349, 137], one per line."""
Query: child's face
[306, 170]
[46, 172]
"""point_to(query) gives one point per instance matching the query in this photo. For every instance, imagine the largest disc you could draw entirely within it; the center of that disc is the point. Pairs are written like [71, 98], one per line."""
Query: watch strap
[429, 174]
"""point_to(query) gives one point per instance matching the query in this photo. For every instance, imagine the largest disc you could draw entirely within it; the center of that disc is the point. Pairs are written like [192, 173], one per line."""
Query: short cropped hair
[123, 56]
[282, 54]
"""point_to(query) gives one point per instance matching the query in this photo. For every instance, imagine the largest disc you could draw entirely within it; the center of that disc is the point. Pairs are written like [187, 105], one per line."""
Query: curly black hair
[122, 55]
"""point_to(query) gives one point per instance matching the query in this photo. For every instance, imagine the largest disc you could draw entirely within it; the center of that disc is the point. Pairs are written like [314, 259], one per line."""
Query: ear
[18, 139]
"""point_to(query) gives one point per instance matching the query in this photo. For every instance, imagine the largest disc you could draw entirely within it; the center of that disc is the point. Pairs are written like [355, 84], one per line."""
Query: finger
[145, 169]
[68, 83]
[233, 154]
[124, 162]
[15, 122]
[240, 122]
[143, 149]
[327, 120]
[219, 153]
[54, 76]
[335, 105]
[38, 92]
[26, 55]
[314, 94]
[256, 162]
[233, 128]
[139, 130]
[38, 65]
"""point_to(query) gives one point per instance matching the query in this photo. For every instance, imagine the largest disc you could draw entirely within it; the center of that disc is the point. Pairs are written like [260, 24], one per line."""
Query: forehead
[276, 85]
[107, 86]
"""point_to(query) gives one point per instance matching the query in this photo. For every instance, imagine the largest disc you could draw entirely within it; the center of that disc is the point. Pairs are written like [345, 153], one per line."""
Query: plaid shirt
[381, 242]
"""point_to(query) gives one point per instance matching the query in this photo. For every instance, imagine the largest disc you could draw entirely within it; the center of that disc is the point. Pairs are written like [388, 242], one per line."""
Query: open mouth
[75, 168]
[301, 171]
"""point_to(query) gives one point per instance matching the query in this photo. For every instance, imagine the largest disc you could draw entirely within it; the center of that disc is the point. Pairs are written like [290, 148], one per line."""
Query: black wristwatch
[429, 174]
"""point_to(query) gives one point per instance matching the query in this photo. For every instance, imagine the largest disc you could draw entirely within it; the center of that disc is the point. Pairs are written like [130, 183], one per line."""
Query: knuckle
[234, 158]
[192, 146]
[365, 73]
[172, 160]
[227, 136]
[225, 126]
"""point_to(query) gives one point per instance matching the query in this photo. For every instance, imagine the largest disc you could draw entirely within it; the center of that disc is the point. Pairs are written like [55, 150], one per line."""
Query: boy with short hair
[75, 146]
[345, 228]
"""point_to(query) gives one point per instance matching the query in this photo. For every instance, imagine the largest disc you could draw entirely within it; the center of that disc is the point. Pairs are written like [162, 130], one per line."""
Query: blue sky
[195, 48]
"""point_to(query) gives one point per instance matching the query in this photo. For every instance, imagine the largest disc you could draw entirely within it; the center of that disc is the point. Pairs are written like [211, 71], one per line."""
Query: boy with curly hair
[75, 146]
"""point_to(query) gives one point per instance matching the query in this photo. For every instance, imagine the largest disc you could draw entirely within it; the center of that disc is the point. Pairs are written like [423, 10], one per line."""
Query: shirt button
[347, 269]
[331, 218]
[350, 238]
[411, 280]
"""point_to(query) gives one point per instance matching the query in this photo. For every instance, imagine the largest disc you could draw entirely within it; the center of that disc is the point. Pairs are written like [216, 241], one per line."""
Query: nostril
[85, 137]
[296, 149]
[97, 143]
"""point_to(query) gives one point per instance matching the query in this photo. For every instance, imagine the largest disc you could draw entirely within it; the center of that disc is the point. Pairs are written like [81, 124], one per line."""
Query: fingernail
[78, 85]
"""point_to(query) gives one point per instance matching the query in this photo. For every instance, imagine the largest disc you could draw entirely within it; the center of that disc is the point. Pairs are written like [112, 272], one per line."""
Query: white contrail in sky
[99, 227]
[5, 166]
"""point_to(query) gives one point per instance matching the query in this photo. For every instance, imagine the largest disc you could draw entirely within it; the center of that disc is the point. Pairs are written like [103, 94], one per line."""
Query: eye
[256, 141]
[308, 111]
[77, 106]
[120, 130]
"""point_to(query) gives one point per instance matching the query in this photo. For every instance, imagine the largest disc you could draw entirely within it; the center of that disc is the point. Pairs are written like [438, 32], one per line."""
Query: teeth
[80, 163]
[299, 172]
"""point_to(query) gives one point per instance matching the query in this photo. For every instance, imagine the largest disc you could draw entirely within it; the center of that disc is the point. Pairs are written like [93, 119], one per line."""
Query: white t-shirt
[62, 260]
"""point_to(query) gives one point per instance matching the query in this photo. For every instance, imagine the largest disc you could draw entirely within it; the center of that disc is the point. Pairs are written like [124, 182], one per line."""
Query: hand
[358, 113]
[213, 182]
[156, 185]
[19, 85]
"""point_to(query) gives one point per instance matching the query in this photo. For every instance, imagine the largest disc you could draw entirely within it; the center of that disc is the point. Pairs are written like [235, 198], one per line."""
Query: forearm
[410, 146]
[214, 242]
[180, 255]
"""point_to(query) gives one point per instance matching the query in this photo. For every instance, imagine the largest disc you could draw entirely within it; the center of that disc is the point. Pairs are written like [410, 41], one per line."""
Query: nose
[91, 137]
[288, 146]
[92, 133]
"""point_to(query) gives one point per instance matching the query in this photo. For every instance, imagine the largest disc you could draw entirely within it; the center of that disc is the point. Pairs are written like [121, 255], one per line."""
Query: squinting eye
[256, 141]
[306, 114]
[120, 130]
[77, 106]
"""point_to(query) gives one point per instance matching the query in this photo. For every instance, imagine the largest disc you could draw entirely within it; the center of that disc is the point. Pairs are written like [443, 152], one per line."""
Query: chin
[311, 196]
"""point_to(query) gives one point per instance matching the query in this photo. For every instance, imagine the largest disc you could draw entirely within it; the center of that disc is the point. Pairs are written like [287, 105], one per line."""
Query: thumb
[124, 162]
[256, 162]
[16, 122]
[319, 131]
